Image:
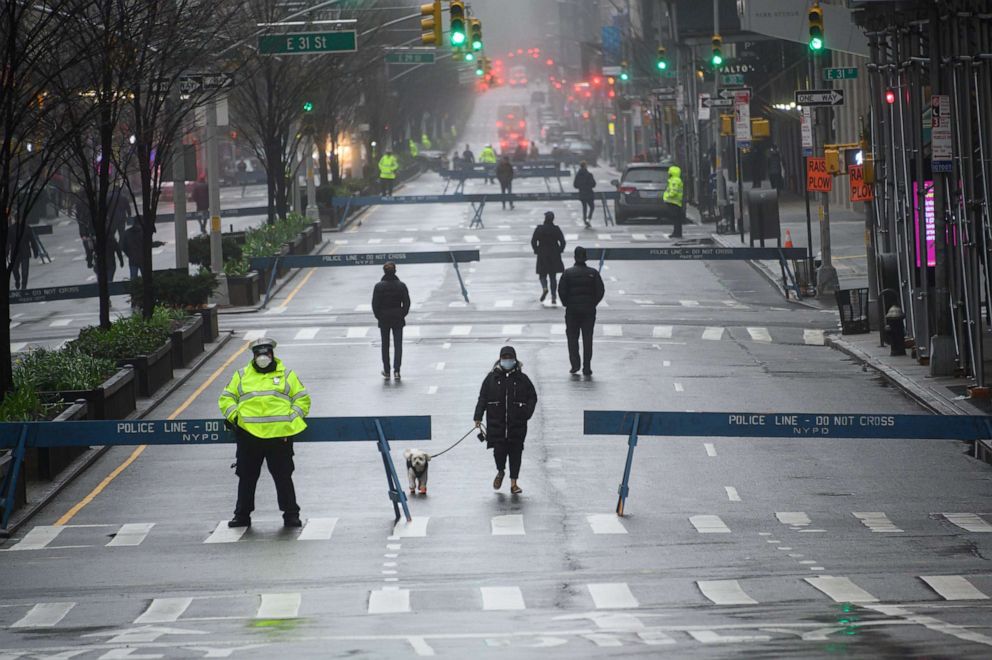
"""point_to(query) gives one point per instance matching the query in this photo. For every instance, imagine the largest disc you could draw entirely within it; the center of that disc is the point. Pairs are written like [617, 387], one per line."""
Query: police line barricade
[477, 201]
[520, 171]
[454, 257]
[706, 253]
[22, 436]
[72, 291]
[794, 426]
[224, 213]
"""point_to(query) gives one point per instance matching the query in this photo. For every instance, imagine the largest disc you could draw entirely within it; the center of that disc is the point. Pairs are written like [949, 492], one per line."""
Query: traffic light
[469, 56]
[456, 12]
[308, 106]
[430, 23]
[890, 96]
[816, 28]
[475, 30]
[717, 58]
[624, 74]
[662, 62]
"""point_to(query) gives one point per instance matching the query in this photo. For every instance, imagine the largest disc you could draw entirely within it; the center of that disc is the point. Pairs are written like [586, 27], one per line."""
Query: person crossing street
[584, 183]
[390, 305]
[266, 405]
[548, 242]
[581, 290]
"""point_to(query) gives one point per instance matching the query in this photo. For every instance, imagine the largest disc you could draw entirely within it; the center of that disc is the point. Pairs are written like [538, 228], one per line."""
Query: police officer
[673, 197]
[388, 165]
[488, 158]
[266, 404]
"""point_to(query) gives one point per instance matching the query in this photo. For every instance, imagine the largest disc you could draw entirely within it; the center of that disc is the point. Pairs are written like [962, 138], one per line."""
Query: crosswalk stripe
[131, 534]
[224, 534]
[318, 529]
[461, 331]
[509, 525]
[639, 237]
[504, 238]
[375, 241]
[279, 606]
[558, 329]
[411, 331]
[759, 334]
[612, 596]
[18, 347]
[876, 521]
[439, 239]
[503, 304]
[14, 324]
[59, 323]
[38, 538]
[357, 332]
[512, 330]
[968, 521]
[793, 518]
[605, 523]
[814, 337]
[689, 303]
[605, 237]
[252, 335]
[364, 307]
[44, 615]
[389, 601]
[306, 333]
[953, 587]
[709, 524]
[612, 330]
[407, 239]
[164, 610]
[603, 640]
[655, 638]
[662, 332]
[471, 239]
[841, 589]
[276, 310]
[725, 592]
[571, 237]
[413, 529]
[713, 333]
[502, 598]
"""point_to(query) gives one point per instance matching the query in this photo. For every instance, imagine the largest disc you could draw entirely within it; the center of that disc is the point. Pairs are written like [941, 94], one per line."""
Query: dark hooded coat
[508, 399]
[548, 243]
[390, 302]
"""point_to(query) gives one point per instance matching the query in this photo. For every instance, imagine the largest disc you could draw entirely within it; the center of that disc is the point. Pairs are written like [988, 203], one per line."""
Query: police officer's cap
[262, 342]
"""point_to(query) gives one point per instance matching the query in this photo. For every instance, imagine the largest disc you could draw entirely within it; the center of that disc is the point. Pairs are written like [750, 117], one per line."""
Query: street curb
[768, 274]
[83, 463]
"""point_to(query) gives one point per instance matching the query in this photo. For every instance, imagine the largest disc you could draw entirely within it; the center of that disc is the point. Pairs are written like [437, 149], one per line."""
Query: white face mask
[263, 361]
[507, 364]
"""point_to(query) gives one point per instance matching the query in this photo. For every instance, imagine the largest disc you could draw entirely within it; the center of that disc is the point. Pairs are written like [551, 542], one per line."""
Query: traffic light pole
[311, 188]
[721, 182]
[221, 297]
[179, 191]
[827, 283]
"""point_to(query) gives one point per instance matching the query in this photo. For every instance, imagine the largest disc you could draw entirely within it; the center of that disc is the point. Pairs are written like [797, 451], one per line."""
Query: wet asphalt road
[730, 546]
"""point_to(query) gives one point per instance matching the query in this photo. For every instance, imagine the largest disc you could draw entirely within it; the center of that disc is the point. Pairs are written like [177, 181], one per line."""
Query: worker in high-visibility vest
[388, 166]
[425, 141]
[414, 151]
[673, 197]
[265, 403]
[488, 157]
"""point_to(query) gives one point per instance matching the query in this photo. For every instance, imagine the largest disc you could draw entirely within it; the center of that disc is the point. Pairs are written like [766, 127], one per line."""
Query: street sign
[664, 94]
[840, 73]
[742, 119]
[816, 97]
[806, 130]
[195, 83]
[717, 103]
[308, 43]
[612, 70]
[732, 79]
[702, 107]
[940, 133]
[817, 177]
[732, 92]
[410, 58]
[860, 191]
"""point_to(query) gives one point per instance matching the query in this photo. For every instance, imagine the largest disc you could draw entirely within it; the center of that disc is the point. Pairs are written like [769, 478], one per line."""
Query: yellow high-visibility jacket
[269, 405]
[487, 155]
[388, 166]
[673, 189]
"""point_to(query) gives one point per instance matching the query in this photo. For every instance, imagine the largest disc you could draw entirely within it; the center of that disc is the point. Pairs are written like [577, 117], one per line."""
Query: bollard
[896, 329]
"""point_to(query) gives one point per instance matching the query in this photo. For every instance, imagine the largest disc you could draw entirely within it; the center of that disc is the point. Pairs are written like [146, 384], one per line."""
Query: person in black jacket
[584, 183]
[391, 304]
[504, 173]
[508, 399]
[581, 289]
[548, 243]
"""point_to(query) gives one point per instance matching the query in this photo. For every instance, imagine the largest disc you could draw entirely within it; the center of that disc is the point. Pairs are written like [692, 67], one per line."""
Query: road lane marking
[411, 331]
[713, 333]
[276, 310]
[968, 521]
[662, 332]
[709, 524]
[44, 615]
[512, 330]
[710, 449]
[461, 331]
[439, 366]
[759, 334]
[612, 330]
[504, 238]
[60, 323]
[814, 337]
[164, 610]
[432, 389]
[389, 601]
[407, 239]
[364, 307]
[357, 332]
[131, 534]
[605, 237]
[558, 329]
[953, 587]
[252, 335]
[439, 239]
[224, 534]
[689, 303]
[876, 521]
[413, 529]
[606, 523]
[603, 640]
[18, 347]
[666, 363]
[502, 598]
[639, 237]
[713, 637]
[306, 333]
[469, 238]
[279, 606]
[841, 589]
[725, 592]
[509, 525]
[318, 529]
[612, 596]
[503, 304]
[39, 537]
[375, 241]
[678, 387]
[732, 494]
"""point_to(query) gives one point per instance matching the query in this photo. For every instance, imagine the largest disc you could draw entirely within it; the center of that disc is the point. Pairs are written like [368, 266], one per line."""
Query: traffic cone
[788, 239]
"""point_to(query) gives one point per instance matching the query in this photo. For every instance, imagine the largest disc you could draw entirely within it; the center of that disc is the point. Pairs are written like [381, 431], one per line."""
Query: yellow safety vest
[673, 189]
[269, 405]
[388, 166]
[487, 155]
[425, 141]
[413, 149]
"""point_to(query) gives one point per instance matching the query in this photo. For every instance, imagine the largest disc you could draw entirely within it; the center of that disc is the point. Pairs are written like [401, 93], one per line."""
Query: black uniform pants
[397, 350]
[277, 453]
[512, 449]
[676, 212]
[506, 189]
[588, 206]
[386, 186]
[584, 323]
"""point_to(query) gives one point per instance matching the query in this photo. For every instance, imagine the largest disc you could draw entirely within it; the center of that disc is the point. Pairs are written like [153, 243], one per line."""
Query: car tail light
[628, 189]
[499, 123]
[523, 81]
[523, 124]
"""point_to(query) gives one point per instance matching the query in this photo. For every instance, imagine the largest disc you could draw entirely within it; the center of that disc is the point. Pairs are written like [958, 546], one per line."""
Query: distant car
[537, 97]
[642, 189]
[577, 150]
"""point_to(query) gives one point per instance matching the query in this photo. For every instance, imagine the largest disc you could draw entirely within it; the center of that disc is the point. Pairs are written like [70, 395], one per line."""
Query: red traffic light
[890, 96]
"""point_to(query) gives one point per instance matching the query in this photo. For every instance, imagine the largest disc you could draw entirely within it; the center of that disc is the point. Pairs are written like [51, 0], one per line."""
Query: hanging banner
[817, 177]
[940, 136]
[860, 191]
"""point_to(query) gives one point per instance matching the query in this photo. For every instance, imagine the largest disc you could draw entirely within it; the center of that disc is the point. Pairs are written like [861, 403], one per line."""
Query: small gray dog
[416, 469]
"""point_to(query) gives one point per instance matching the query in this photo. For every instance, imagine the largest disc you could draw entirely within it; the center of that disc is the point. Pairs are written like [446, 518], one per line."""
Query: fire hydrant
[896, 329]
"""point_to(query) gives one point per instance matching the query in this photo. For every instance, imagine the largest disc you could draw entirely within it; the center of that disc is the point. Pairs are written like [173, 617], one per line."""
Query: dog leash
[458, 442]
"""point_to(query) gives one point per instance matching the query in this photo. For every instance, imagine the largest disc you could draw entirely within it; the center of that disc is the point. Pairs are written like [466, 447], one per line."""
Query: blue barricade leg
[788, 271]
[396, 494]
[461, 282]
[272, 280]
[602, 258]
[561, 188]
[624, 489]
[607, 215]
[9, 490]
[477, 215]
[344, 215]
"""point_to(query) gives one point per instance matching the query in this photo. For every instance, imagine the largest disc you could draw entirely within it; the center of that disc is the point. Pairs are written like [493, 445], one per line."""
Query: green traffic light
[457, 38]
[307, 106]
[816, 43]
[469, 57]
[662, 65]
[476, 45]
[717, 59]
[624, 76]
[479, 71]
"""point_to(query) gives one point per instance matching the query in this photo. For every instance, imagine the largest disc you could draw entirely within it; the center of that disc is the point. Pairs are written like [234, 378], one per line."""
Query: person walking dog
[390, 305]
[548, 243]
[581, 290]
[508, 399]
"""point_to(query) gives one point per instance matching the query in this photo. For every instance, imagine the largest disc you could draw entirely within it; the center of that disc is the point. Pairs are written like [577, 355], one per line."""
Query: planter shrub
[65, 369]
[128, 336]
[178, 289]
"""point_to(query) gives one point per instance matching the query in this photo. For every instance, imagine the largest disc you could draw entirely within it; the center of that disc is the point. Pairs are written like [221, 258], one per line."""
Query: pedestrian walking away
[504, 173]
[21, 246]
[85, 226]
[201, 197]
[584, 183]
[243, 175]
[390, 305]
[508, 399]
[265, 404]
[673, 197]
[134, 239]
[548, 242]
[580, 290]
[468, 156]
[388, 165]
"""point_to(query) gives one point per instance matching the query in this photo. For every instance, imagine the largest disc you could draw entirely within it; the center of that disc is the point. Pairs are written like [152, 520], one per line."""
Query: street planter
[329, 216]
[309, 240]
[298, 245]
[187, 342]
[115, 398]
[211, 322]
[264, 277]
[7, 464]
[317, 234]
[47, 462]
[243, 289]
[152, 371]
[283, 270]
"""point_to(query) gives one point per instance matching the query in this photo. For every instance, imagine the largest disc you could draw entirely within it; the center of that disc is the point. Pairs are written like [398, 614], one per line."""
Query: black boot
[239, 521]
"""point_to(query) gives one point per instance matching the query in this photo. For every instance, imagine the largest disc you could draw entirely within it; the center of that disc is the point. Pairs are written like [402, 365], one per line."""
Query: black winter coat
[548, 243]
[508, 398]
[390, 302]
[581, 289]
[504, 172]
[584, 183]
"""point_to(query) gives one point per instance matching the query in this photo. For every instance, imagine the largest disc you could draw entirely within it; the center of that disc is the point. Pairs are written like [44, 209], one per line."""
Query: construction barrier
[795, 426]
[520, 171]
[22, 436]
